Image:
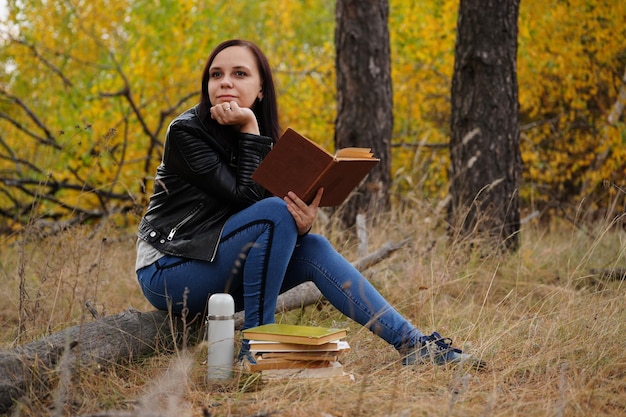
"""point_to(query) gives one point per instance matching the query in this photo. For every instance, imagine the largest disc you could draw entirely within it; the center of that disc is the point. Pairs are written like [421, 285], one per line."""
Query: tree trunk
[364, 96]
[124, 337]
[484, 147]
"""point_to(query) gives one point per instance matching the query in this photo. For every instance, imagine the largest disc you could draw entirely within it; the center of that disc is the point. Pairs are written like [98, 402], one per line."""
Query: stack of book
[281, 351]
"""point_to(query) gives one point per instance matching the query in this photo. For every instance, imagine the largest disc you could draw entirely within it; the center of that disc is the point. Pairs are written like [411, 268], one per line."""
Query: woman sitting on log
[209, 228]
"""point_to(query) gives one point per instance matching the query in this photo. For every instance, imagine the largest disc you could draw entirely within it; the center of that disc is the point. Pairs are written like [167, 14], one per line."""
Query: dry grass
[552, 332]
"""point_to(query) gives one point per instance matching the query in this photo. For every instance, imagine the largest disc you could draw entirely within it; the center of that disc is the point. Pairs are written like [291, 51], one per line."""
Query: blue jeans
[260, 256]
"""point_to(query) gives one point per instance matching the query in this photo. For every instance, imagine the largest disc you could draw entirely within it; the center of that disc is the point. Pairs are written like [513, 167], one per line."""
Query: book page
[359, 153]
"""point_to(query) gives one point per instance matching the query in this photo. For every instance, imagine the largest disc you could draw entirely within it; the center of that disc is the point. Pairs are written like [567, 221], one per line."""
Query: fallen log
[127, 336]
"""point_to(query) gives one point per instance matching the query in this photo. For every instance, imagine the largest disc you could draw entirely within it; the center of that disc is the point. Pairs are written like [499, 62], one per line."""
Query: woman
[209, 228]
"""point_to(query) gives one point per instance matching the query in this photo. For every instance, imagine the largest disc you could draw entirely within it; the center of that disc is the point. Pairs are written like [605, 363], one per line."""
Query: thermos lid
[221, 307]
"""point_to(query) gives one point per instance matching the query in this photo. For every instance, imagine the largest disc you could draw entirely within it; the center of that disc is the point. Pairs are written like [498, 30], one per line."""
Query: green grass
[550, 327]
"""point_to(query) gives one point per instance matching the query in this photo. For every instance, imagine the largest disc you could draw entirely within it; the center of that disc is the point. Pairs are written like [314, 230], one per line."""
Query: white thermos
[221, 335]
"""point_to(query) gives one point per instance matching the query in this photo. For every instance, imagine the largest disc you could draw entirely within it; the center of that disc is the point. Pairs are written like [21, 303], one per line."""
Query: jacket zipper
[183, 222]
[217, 244]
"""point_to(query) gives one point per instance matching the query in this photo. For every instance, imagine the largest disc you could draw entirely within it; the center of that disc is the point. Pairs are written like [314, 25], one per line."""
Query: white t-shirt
[146, 254]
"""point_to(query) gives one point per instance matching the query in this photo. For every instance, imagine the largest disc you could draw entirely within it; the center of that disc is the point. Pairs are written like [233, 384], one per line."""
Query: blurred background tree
[87, 89]
[571, 66]
[486, 167]
[364, 98]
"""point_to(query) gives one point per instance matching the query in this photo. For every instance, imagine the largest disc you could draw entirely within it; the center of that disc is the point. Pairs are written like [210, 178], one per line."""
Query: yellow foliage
[104, 78]
[422, 45]
[570, 68]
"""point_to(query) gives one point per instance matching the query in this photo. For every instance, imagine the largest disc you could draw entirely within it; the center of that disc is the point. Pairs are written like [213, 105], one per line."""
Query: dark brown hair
[266, 110]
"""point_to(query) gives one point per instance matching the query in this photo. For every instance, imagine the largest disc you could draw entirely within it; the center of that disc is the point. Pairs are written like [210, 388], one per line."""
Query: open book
[300, 165]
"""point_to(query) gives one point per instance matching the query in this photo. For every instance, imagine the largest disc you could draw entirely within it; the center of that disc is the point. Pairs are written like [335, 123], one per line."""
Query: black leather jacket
[201, 182]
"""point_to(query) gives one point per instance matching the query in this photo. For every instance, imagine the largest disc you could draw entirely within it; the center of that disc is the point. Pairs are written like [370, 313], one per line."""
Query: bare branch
[54, 68]
[47, 140]
[19, 162]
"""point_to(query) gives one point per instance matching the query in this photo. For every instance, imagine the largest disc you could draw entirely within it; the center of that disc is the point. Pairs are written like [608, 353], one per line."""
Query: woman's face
[234, 76]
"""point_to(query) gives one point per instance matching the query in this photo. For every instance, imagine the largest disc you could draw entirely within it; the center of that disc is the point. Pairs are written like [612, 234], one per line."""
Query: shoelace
[444, 344]
[442, 347]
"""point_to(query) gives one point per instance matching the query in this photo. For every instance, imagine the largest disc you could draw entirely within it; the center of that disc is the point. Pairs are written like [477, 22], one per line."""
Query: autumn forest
[87, 89]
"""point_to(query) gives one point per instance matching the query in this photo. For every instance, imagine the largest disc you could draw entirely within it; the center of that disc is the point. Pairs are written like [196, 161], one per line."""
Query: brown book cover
[302, 356]
[263, 364]
[334, 370]
[298, 164]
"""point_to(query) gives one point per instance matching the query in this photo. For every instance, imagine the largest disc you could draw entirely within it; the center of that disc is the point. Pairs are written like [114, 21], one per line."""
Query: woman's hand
[231, 114]
[303, 215]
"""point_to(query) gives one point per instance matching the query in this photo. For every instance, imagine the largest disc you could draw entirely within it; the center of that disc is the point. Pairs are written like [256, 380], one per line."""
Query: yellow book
[297, 334]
